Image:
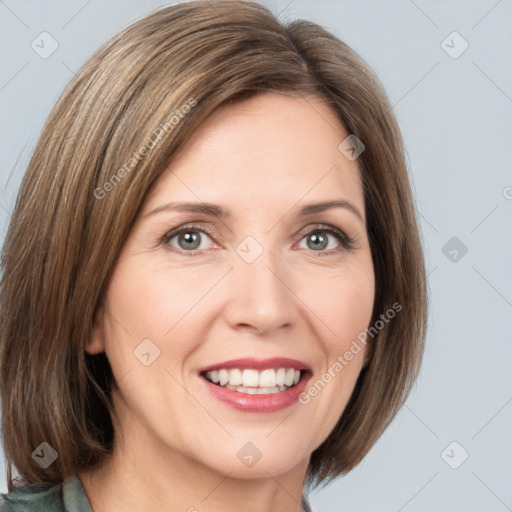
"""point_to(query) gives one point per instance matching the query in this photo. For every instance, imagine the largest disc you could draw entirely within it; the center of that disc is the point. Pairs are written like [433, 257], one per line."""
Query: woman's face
[261, 282]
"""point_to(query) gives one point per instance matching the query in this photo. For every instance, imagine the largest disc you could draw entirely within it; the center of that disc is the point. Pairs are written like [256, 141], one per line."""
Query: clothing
[306, 507]
[69, 496]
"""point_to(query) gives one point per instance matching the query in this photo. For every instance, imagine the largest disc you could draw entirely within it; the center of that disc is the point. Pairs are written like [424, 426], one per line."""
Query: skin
[176, 446]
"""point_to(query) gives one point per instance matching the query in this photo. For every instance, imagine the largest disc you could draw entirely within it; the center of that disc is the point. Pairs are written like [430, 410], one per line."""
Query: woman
[213, 292]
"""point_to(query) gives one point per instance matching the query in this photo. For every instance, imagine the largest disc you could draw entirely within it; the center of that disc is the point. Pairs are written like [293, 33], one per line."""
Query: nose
[261, 296]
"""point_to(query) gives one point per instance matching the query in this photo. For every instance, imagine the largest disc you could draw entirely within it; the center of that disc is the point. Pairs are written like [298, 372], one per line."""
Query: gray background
[455, 114]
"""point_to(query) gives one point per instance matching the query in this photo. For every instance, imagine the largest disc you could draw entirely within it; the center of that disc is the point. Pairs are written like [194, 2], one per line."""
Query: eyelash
[346, 242]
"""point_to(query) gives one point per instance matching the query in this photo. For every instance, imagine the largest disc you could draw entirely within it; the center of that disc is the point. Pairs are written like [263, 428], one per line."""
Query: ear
[96, 343]
[368, 354]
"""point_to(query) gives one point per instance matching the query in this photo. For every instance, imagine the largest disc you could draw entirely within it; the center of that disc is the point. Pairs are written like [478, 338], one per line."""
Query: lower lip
[271, 402]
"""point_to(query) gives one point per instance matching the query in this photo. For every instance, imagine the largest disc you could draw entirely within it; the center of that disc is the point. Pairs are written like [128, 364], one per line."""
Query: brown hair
[66, 231]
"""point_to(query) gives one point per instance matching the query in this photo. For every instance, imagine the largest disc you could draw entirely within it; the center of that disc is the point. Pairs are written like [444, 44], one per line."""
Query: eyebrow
[213, 210]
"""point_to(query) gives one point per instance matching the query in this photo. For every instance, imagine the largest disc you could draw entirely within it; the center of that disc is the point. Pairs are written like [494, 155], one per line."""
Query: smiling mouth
[255, 382]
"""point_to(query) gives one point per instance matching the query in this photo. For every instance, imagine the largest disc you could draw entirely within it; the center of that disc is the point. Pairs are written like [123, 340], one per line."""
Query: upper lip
[258, 364]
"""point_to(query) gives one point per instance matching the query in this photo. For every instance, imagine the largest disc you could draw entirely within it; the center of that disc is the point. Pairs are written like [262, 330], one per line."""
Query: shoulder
[306, 506]
[33, 498]
[68, 496]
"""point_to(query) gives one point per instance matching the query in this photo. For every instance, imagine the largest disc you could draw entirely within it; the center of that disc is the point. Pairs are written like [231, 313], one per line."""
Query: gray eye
[319, 241]
[189, 240]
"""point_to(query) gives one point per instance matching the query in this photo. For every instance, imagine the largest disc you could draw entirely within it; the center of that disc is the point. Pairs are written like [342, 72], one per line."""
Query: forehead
[269, 149]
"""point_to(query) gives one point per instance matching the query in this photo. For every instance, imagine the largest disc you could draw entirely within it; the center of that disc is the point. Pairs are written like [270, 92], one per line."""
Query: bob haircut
[151, 86]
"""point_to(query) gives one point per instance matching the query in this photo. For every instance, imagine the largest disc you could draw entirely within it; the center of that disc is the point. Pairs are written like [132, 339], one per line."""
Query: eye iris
[189, 237]
[322, 239]
[191, 240]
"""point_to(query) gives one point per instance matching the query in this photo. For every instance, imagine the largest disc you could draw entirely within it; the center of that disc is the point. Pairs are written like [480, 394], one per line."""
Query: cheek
[149, 300]
[351, 313]
[147, 314]
[344, 310]
[135, 314]
[343, 303]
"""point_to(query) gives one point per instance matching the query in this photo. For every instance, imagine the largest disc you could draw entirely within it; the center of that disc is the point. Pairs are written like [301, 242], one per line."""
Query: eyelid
[346, 242]
[193, 226]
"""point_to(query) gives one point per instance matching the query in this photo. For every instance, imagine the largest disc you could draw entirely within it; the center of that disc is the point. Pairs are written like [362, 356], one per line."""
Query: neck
[142, 476]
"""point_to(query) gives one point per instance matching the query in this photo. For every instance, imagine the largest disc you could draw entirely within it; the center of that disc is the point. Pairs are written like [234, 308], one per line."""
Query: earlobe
[368, 354]
[96, 344]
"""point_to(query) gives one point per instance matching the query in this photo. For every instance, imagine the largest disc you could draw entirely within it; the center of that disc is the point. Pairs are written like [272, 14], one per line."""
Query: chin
[245, 459]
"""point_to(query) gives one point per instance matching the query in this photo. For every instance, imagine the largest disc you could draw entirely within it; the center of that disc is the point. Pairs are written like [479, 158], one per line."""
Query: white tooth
[250, 378]
[235, 377]
[280, 376]
[290, 373]
[223, 377]
[267, 391]
[267, 379]
[252, 381]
